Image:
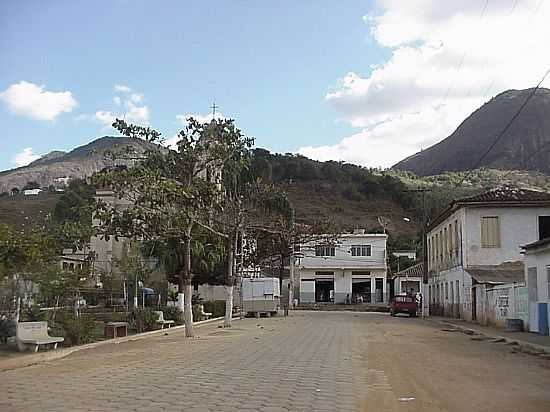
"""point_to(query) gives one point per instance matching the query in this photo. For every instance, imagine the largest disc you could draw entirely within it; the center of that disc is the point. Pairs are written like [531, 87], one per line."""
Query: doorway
[360, 291]
[324, 291]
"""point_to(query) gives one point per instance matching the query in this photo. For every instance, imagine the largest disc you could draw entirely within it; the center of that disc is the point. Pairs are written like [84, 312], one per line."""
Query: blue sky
[268, 64]
[368, 82]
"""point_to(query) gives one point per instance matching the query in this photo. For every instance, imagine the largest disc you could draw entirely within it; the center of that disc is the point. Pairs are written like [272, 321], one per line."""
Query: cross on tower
[214, 107]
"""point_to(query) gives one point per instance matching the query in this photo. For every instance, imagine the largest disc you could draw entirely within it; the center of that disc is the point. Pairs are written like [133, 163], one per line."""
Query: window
[360, 250]
[490, 232]
[548, 280]
[544, 227]
[456, 238]
[446, 291]
[65, 266]
[324, 250]
[457, 291]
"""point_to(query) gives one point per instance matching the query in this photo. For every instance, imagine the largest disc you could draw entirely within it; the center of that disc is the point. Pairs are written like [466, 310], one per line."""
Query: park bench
[204, 315]
[35, 334]
[162, 321]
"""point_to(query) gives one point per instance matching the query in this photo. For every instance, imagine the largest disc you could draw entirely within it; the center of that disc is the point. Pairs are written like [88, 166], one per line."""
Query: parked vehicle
[403, 304]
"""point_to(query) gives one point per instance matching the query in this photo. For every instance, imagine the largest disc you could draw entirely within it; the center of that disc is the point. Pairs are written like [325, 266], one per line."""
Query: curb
[531, 348]
[29, 360]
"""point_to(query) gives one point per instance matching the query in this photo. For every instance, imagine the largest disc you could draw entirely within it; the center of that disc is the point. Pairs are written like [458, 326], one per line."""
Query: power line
[503, 132]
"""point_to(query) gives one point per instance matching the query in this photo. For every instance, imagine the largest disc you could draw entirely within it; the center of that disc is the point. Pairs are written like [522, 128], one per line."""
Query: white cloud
[25, 157]
[30, 100]
[104, 117]
[136, 98]
[172, 142]
[137, 114]
[182, 118]
[447, 59]
[135, 111]
[122, 88]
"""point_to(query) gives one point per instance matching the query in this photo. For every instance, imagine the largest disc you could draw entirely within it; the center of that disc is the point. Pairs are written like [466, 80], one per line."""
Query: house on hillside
[351, 267]
[408, 280]
[31, 192]
[475, 265]
[537, 277]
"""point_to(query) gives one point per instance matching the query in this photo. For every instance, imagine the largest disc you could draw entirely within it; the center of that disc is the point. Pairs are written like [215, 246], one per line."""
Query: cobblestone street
[311, 361]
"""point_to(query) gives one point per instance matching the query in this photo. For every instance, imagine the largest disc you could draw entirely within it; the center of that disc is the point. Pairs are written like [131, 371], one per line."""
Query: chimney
[358, 231]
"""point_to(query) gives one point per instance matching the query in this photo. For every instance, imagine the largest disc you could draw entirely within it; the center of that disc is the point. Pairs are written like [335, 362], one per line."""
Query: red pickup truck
[403, 304]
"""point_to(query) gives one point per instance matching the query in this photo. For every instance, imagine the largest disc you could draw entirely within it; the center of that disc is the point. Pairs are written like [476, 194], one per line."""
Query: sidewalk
[24, 359]
[528, 340]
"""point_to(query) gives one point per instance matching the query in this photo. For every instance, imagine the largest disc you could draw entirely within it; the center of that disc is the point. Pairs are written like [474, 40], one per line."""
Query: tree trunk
[17, 309]
[229, 281]
[291, 283]
[187, 289]
[228, 306]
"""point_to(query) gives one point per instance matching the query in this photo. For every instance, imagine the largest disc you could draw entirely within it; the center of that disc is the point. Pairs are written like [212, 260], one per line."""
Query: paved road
[311, 361]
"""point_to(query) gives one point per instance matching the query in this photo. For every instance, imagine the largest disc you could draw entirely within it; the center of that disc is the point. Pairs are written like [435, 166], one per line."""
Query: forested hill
[349, 195]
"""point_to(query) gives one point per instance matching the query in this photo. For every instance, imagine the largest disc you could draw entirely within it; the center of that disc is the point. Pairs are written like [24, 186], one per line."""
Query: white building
[354, 265]
[409, 280]
[475, 245]
[537, 277]
[31, 192]
[409, 254]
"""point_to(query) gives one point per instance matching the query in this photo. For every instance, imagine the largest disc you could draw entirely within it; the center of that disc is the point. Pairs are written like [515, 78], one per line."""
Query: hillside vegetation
[350, 196]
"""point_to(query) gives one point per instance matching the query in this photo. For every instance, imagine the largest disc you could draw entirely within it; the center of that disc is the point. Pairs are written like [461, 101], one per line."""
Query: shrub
[7, 329]
[145, 319]
[173, 313]
[79, 330]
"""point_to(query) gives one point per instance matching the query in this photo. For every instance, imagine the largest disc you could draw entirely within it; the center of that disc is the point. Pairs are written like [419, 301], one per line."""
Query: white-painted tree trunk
[180, 302]
[228, 307]
[291, 284]
[17, 310]
[188, 310]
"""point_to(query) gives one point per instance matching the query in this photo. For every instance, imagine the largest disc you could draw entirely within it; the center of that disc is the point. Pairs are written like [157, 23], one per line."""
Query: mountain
[78, 163]
[525, 145]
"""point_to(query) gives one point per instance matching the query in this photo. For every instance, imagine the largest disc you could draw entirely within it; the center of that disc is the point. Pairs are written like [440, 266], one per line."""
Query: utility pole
[291, 274]
[424, 246]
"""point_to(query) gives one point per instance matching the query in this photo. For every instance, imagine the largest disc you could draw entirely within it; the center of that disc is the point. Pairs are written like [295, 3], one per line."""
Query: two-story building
[352, 267]
[475, 244]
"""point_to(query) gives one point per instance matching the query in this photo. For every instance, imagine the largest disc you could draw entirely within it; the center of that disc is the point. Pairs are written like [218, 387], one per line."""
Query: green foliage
[173, 313]
[74, 204]
[79, 330]
[216, 307]
[7, 329]
[145, 319]
[32, 314]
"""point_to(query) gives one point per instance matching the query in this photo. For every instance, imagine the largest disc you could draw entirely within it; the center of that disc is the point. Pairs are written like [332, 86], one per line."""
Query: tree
[74, 204]
[279, 244]
[30, 258]
[245, 206]
[171, 192]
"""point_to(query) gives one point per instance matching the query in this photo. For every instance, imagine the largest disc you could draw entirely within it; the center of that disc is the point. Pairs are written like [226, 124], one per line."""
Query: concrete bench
[34, 334]
[203, 314]
[162, 321]
[116, 329]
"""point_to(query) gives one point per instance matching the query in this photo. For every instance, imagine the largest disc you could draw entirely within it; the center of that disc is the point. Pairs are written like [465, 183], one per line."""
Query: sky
[366, 82]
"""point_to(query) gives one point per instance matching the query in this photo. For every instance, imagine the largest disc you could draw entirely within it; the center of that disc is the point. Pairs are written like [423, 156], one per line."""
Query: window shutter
[490, 232]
